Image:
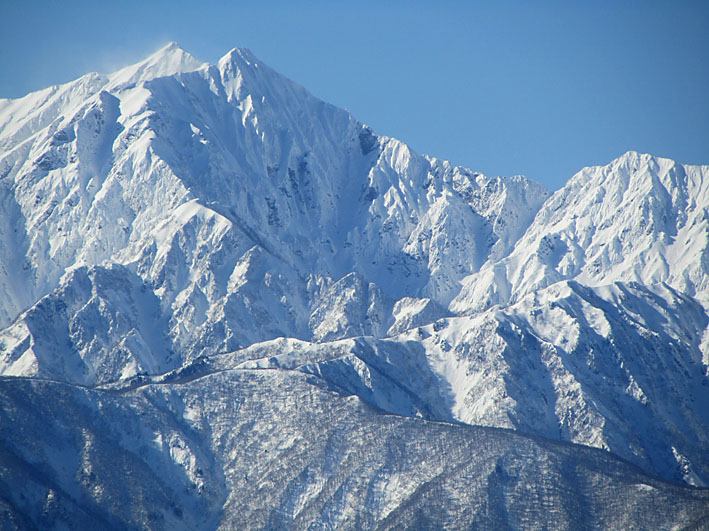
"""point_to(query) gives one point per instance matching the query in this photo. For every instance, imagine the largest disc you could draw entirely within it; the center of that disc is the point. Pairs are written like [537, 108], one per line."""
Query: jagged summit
[242, 148]
[242, 54]
[168, 60]
[637, 219]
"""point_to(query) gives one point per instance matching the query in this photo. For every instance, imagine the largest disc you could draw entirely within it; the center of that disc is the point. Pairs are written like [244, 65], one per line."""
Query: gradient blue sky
[537, 88]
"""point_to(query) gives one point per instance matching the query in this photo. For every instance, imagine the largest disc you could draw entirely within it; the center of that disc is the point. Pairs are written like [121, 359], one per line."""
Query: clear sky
[538, 88]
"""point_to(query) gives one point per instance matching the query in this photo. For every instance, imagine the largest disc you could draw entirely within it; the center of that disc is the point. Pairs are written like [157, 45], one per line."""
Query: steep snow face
[102, 323]
[640, 218]
[618, 367]
[57, 148]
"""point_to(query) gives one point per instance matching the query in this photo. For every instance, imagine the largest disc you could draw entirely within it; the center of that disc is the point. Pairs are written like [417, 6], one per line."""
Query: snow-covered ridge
[105, 174]
[21, 117]
[640, 218]
[617, 367]
[269, 450]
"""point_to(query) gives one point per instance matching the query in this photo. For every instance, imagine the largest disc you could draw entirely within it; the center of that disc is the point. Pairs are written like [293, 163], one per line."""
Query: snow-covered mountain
[249, 208]
[639, 219]
[218, 274]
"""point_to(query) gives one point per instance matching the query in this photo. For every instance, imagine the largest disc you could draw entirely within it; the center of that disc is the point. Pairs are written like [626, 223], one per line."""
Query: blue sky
[537, 88]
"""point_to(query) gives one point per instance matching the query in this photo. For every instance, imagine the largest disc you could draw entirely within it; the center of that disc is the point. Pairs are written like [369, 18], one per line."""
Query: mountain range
[225, 303]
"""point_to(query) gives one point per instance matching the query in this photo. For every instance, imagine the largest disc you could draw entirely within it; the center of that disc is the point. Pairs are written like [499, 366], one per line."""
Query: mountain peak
[240, 58]
[169, 60]
[172, 53]
[172, 45]
[243, 53]
[631, 157]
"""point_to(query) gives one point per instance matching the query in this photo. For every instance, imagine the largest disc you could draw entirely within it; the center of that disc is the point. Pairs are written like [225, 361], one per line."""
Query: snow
[640, 218]
[269, 449]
